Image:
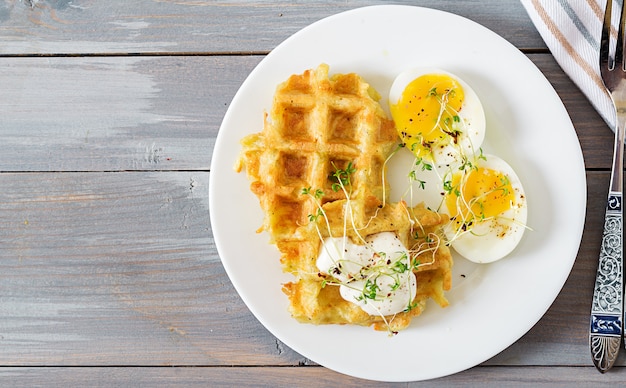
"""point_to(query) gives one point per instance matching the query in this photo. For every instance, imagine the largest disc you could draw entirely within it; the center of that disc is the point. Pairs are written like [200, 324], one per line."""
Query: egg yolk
[478, 195]
[426, 115]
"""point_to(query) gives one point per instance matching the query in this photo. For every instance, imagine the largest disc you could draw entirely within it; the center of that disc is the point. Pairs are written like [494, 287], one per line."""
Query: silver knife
[606, 325]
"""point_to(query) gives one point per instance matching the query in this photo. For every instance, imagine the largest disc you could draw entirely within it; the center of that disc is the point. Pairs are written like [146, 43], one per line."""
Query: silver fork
[606, 323]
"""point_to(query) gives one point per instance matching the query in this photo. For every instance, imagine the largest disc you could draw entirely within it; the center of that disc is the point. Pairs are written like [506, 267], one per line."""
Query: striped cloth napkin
[572, 30]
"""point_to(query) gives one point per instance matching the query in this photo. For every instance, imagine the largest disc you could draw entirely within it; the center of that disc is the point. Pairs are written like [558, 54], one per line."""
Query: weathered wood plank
[108, 271]
[121, 269]
[162, 113]
[141, 26]
[488, 377]
[121, 113]
[118, 269]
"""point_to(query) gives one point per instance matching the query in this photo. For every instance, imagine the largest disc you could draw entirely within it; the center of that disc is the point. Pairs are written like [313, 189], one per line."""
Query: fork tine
[619, 48]
[605, 39]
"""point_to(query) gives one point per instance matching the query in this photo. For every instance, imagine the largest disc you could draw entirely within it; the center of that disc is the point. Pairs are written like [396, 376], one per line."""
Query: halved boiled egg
[487, 207]
[438, 116]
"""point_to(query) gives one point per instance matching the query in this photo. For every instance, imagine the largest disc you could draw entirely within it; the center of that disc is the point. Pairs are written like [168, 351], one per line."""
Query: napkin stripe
[562, 40]
[579, 24]
[596, 9]
[571, 30]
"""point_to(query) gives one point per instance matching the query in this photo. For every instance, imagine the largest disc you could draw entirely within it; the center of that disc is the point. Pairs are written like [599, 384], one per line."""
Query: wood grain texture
[163, 113]
[120, 269]
[488, 377]
[109, 275]
[114, 113]
[30, 27]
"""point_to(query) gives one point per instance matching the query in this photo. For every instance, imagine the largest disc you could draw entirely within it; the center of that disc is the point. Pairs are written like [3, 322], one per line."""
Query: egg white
[471, 114]
[493, 239]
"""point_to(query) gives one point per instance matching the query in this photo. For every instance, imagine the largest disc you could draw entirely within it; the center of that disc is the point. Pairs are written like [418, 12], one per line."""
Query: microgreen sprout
[471, 210]
[391, 269]
[425, 166]
[342, 177]
[316, 195]
[384, 183]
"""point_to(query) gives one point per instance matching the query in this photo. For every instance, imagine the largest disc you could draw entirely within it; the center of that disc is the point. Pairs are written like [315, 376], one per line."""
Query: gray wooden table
[108, 270]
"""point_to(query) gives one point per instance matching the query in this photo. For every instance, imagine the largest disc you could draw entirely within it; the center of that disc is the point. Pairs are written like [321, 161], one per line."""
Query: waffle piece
[314, 301]
[317, 127]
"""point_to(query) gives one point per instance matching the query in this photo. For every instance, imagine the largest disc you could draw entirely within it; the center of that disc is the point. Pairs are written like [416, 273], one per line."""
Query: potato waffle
[311, 301]
[317, 126]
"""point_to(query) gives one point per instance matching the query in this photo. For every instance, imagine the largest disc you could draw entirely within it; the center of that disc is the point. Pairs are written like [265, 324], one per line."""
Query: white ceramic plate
[491, 306]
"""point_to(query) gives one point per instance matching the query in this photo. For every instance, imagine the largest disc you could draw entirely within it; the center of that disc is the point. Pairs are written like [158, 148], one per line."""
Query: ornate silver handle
[606, 326]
